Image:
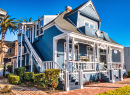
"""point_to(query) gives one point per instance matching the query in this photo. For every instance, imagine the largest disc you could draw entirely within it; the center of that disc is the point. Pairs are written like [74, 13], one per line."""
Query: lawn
[120, 91]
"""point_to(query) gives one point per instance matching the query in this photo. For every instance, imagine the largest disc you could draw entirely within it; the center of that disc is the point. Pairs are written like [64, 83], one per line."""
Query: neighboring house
[72, 42]
[127, 58]
[11, 47]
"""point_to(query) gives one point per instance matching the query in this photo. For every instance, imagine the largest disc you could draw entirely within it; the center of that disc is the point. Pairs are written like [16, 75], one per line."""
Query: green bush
[28, 76]
[120, 91]
[8, 75]
[39, 77]
[52, 77]
[128, 73]
[13, 79]
[19, 71]
[35, 69]
[9, 68]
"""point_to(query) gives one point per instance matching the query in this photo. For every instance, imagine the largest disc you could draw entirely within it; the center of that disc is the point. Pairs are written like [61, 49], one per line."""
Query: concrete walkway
[96, 88]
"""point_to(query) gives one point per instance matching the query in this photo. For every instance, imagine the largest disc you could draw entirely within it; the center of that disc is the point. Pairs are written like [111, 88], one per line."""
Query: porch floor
[96, 88]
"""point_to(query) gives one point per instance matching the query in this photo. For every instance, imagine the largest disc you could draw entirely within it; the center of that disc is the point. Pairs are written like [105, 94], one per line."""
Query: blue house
[72, 42]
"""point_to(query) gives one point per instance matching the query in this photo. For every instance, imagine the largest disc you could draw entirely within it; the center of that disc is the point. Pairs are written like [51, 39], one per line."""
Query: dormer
[85, 15]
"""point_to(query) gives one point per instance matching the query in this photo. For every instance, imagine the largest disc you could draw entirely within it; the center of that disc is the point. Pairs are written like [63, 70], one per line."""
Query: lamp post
[3, 13]
[5, 50]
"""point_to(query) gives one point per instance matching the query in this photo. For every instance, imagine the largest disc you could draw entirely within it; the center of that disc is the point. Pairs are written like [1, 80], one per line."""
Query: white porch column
[21, 45]
[32, 33]
[94, 56]
[54, 50]
[122, 57]
[25, 29]
[31, 61]
[67, 51]
[17, 49]
[107, 57]
[73, 49]
[110, 57]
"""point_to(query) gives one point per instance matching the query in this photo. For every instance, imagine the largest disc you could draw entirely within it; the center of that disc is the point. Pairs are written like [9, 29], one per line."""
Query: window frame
[89, 24]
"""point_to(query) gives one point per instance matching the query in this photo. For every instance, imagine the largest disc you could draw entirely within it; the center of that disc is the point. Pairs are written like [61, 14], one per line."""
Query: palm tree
[25, 19]
[7, 24]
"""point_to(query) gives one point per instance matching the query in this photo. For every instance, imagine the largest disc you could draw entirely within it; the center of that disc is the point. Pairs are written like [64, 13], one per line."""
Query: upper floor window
[89, 24]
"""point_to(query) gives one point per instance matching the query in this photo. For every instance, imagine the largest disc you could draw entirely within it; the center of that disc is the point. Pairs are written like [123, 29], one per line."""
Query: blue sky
[114, 14]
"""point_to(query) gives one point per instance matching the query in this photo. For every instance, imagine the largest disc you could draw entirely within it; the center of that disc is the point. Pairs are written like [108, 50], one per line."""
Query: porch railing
[85, 66]
[116, 65]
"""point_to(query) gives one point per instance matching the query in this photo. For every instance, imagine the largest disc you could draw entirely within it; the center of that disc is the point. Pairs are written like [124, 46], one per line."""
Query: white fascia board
[97, 40]
[27, 23]
[60, 36]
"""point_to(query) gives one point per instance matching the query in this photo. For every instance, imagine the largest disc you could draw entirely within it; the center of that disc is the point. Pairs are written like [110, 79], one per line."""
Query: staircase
[104, 73]
[37, 51]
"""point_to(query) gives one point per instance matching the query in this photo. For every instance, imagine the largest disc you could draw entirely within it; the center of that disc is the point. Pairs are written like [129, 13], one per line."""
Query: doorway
[103, 57]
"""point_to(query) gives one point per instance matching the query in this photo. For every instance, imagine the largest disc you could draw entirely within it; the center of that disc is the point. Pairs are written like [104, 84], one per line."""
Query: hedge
[39, 77]
[9, 68]
[19, 71]
[52, 77]
[8, 75]
[128, 73]
[120, 91]
[13, 79]
[28, 76]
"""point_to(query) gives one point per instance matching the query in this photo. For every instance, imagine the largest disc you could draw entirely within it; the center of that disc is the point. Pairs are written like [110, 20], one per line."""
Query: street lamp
[5, 50]
[3, 13]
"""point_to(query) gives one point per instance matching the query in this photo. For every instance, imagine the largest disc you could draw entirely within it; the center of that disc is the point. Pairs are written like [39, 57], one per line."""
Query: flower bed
[120, 91]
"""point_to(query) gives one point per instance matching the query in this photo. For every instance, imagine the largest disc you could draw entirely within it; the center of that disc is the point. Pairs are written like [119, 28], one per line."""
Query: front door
[103, 57]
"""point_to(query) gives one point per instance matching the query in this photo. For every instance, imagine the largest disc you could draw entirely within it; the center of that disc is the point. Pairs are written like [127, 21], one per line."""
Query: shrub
[8, 75]
[9, 68]
[39, 77]
[52, 77]
[128, 73]
[6, 89]
[19, 71]
[120, 91]
[13, 79]
[35, 69]
[28, 76]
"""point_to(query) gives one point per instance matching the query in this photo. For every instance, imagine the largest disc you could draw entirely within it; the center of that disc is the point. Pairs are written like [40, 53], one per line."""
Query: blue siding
[116, 57]
[90, 76]
[45, 44]
[73, 17]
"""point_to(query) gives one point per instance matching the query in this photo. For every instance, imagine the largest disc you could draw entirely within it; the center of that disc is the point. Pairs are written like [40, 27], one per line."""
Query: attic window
[89, 24]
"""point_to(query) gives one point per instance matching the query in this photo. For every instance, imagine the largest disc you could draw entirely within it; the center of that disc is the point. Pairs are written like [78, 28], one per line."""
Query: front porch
[87, 54]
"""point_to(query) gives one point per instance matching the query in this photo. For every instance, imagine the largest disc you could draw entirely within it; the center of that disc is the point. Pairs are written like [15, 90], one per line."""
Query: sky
[114, 14]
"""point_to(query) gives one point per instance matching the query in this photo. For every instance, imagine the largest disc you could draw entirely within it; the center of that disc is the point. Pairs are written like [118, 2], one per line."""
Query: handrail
[37, 58]
[106, 70]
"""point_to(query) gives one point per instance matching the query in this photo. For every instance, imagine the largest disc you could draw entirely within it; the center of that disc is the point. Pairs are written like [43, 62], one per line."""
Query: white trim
[88, 3]
[97, 40]
[89, 23]
[62, 30]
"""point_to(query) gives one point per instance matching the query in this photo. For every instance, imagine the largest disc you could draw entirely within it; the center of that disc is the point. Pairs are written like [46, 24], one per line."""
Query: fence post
[66, 78]
[120, 74]
[81, 79]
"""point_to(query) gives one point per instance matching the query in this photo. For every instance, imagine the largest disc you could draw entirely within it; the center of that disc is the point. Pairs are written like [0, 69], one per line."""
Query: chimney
[68, 8]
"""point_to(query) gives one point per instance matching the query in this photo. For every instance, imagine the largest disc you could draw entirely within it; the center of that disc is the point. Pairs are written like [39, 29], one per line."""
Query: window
[86, 24]
[9, 50]
[89, 24]
[41, 30]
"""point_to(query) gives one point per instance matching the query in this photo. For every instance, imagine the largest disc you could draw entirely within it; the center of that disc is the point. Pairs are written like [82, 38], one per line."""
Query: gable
[89, 10]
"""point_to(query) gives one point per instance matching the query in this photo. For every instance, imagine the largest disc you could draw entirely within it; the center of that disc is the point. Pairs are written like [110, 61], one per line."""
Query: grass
[120, 91]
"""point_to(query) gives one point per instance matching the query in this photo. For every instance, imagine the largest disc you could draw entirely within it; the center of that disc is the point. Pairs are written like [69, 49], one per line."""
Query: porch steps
[38, 52]
[73, 84]
[104, 77]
